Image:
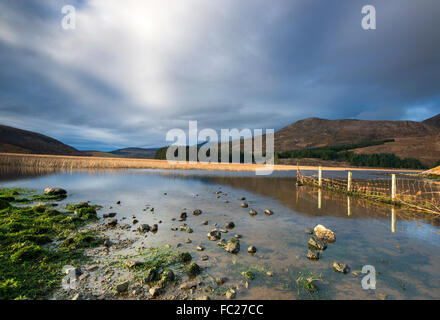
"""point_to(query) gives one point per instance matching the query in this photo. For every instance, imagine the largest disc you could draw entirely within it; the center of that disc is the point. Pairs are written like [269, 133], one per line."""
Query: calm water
[403, 246]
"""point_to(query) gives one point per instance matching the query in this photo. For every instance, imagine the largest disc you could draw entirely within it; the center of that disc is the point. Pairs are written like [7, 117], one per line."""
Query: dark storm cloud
[131, 71]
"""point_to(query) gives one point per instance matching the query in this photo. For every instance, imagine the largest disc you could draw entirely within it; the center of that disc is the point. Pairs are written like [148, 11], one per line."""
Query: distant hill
[434, 121]
[13, 140]
[136, 153]
[316, 132]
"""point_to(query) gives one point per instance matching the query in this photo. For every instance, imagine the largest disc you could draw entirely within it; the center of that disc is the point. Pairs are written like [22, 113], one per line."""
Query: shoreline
[84, 162]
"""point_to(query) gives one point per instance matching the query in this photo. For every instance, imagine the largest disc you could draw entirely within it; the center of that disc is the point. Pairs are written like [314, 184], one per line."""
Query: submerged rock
[197, 212]
[340, 267]
[233, 246]
[144, 228]
[193, 269]
[313, 255]
[317, 243]
[230, 225]
[324, 234]
[214, 235]
[252, 249]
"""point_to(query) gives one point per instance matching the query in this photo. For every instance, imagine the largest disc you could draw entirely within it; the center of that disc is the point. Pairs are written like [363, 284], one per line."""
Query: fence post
[320, 176]
[393, 187]
[319, 199]
[349, 181]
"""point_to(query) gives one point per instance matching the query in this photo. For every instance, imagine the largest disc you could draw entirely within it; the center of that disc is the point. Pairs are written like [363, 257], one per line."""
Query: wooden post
[319, 199]
[349, 181]
[393, 187]
[348, 206]
[320, 176]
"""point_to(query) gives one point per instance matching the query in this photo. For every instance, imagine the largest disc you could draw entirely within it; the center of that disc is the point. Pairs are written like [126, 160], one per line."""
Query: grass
[31, 261]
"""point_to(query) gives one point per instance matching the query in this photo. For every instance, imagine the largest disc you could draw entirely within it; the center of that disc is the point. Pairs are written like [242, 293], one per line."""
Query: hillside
[434, 121]
[135, 153]
[13, 140]
[315, 132]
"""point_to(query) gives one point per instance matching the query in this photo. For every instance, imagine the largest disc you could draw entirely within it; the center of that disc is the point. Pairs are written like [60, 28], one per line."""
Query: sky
[132, 70]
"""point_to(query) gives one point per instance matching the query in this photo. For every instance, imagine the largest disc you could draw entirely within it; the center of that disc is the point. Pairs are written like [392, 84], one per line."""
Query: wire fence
[414, 192]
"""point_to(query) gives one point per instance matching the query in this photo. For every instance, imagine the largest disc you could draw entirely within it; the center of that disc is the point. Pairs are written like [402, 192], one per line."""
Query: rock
[197, 212]
[340, 267]
[144, 228]
[220, 280]
[154, 228]
[223, 231]
[314, 242]
[111, 223]
[230, 294]
[200, 248]
[252, 249]
[324, 234]
[244, 205]
[122, 287]
[225, 201]
[382, 296]
[193, 269]
[55, 192]
[205, 222]
[109, 215]
[119, 202]
[248, 275]
[133, 263]
[308, 231]
[92, 268]
[167, 275]
[184, 257]
[233, 246]
[268, 212]
[107, 243]
[77, 296]
[155, 291]
[84, 276]
[183, 215]
[214, 235]
[188, 285]
[269, 273]
[189, 230]
[230, 225]
[204, 298]
[222, 243]
[188, 240]
[313, 255]
[151, 275]
[237, 236]
[135, 221]
[173, 229]
[242, 198]
[204, 258]
[252, 212]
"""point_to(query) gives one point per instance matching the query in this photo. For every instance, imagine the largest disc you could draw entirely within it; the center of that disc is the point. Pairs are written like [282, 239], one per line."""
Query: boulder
[55, 192]
[324, 234]
[317, 243]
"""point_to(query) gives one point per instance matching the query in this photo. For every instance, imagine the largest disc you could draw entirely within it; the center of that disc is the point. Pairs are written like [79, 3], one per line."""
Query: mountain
[13, 140]
[136, 153]
[316, 132]
[434, 121]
